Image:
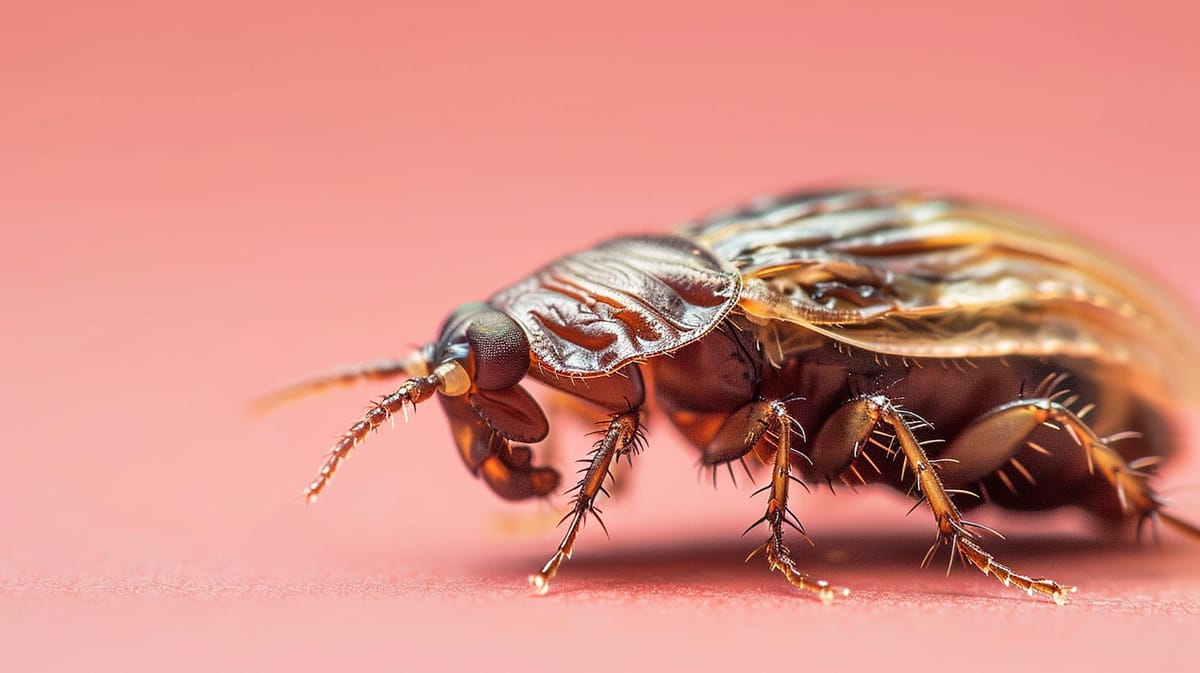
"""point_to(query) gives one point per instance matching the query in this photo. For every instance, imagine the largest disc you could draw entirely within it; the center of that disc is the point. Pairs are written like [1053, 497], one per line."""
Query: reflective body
[955, 352]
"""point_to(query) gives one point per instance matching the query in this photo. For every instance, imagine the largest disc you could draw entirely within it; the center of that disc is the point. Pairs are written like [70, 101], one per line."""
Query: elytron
[960, 353]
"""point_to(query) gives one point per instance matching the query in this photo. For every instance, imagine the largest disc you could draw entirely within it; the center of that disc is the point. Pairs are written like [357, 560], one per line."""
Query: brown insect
[956, 352]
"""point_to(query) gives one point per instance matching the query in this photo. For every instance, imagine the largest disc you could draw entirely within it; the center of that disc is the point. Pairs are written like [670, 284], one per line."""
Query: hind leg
[990, 446]
[845, 437]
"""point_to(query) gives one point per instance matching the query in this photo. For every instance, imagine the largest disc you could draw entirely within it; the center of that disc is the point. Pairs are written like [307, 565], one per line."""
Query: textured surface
[686, 605]
[936, 277]
[200, 203]
[602, 308]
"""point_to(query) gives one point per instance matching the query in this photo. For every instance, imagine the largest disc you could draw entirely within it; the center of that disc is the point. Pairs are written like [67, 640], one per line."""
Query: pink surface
[199, 204]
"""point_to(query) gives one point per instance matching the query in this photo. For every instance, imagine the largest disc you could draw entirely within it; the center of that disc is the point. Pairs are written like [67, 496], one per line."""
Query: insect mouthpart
[476, 365]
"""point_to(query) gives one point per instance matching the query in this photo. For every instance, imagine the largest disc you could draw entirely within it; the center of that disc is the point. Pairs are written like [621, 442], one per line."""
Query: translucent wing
[912, 275]
[625, 300]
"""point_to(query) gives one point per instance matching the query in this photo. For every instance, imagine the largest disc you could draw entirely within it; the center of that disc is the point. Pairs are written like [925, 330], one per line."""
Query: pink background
[200, 203]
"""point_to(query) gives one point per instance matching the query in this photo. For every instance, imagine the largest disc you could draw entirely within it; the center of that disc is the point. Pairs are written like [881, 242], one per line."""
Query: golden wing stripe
[945, 279]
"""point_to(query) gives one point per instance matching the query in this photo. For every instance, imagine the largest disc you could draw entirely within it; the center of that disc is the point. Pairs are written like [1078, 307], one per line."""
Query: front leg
[621, 437]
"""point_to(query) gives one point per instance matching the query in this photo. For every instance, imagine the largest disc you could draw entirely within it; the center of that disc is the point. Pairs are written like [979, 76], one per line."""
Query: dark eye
[499, 351]
[453, 325]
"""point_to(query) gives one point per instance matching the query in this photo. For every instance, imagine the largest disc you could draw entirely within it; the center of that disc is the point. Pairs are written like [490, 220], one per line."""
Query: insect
[957, 352]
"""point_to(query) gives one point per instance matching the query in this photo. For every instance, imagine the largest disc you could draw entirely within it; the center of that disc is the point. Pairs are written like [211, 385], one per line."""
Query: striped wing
[907, 274]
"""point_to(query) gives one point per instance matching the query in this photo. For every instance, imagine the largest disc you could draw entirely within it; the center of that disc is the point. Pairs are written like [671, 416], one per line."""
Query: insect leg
[774, 415]
[952, 529]
[990, 443]
[569, 408]
[369, 371]
[620, 438]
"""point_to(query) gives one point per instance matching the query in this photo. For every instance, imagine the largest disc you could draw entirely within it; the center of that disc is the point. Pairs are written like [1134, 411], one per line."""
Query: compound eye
[499, 351]
[453, 324]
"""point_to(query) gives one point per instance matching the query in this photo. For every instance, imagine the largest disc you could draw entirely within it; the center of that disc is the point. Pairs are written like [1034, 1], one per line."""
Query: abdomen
[704, 385]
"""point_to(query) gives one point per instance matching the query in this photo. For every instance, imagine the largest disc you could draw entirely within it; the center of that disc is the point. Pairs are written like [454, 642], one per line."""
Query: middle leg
[752, 428]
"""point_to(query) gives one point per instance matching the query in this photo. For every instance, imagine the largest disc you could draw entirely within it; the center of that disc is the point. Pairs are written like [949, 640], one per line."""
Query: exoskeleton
[957, 352]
